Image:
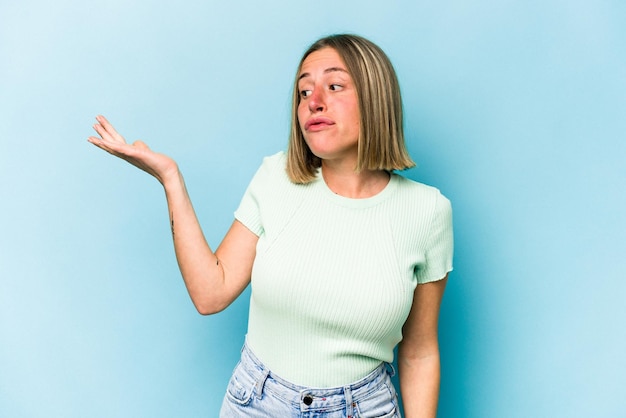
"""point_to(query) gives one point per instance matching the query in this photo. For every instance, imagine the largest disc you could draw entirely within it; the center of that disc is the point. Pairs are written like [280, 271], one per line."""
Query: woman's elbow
[214, 301]
[206, 310]
[209, 307]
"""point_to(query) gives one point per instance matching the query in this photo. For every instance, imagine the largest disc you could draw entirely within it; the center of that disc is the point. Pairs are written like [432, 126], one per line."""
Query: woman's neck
[344, 181]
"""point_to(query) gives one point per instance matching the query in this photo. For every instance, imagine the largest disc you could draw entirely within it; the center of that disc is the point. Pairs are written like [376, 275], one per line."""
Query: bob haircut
[381, 137]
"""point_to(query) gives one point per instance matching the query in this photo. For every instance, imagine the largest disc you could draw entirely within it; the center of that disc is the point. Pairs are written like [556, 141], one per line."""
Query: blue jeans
[254, 391]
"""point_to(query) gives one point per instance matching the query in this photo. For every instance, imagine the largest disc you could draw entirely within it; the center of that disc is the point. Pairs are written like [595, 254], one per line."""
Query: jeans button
[308, 400]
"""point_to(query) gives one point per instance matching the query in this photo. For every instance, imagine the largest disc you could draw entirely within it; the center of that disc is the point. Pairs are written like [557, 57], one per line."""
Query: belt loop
[347, 393]
[261, 383]
[391, 369]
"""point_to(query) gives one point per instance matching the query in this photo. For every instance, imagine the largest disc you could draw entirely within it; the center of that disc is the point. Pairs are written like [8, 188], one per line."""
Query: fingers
[112, 142]
[109, 146]
[107, 131]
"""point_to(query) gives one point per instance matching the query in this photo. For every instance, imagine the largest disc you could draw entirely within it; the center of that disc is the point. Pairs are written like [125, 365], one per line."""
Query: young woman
[346, 258]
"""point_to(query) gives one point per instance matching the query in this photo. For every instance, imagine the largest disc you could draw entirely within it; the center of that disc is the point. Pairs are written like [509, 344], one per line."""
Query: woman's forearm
[198, 264]
[419, 385]
[213, 279]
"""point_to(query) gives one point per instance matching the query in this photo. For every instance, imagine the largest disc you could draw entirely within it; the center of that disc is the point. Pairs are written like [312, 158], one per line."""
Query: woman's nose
[317, 102]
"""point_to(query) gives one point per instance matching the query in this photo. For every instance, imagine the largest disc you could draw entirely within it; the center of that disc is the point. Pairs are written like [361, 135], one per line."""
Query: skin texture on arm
[213, 279]
[418, 353]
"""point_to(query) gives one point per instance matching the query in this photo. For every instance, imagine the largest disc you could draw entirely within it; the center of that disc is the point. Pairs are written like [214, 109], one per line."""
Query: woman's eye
[335, 87]
[305, 93]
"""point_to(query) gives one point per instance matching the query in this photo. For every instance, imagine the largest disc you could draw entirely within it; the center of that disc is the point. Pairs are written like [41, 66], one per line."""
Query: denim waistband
[308, 398]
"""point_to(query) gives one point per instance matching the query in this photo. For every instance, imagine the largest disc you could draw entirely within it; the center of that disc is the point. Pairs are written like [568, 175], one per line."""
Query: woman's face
[328, 112]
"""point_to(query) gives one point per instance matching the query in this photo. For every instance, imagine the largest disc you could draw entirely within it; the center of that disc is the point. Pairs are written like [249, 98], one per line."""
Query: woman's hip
[254, 391]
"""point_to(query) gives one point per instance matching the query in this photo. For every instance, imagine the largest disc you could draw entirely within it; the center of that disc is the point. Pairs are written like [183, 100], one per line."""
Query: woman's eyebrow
[326, 71]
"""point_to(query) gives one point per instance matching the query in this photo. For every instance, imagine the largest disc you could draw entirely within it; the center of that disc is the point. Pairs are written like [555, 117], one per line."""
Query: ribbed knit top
[333, 277]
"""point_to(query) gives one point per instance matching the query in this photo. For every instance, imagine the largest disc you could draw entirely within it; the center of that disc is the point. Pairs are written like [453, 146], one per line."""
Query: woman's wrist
[172, 178]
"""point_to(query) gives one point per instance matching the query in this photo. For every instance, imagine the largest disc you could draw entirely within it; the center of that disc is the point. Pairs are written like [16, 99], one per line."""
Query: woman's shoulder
[422, 206]
[279, 159]
[415, 190]
[272, 166]
[272, 175]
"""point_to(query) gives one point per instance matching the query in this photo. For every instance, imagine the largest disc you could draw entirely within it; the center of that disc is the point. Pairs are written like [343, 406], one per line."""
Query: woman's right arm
[213, 279]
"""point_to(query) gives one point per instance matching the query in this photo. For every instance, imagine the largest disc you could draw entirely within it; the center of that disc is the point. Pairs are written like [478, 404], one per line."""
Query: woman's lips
[317, 124]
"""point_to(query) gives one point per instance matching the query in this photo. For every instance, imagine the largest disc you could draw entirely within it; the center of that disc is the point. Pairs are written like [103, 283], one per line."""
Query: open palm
[138, 153]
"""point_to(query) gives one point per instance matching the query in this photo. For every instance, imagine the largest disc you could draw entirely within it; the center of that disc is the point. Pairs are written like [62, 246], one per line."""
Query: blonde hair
[381, 137]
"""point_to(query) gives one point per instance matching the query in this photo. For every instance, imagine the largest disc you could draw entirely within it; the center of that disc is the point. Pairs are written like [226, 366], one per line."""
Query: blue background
[515, 110]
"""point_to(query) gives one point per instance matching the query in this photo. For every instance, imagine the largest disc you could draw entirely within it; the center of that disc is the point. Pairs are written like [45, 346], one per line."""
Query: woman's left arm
[418, 353]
